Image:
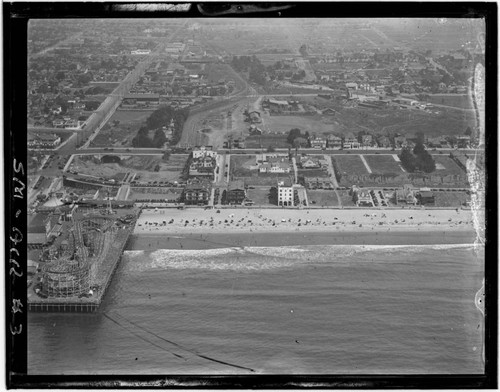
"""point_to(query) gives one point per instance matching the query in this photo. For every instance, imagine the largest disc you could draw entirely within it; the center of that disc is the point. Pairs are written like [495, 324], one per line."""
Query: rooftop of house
[426, 194]
[236, 185]
[198, 185]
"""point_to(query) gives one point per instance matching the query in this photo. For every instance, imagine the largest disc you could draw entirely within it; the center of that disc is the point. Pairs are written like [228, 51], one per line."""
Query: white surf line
[365, 163]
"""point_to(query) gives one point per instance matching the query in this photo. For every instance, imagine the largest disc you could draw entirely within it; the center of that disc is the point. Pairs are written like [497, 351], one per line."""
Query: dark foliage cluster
[159, 118]
[251, 64]
[296, 133]
[417, 161]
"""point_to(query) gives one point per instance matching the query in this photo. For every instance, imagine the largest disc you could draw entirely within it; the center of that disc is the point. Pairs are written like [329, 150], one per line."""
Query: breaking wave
[268, 258]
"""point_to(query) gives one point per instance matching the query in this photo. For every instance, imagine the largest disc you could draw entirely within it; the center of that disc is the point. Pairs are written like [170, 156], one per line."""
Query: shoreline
[190, 241]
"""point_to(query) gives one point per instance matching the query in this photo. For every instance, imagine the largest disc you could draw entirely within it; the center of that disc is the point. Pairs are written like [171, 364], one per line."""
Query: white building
[285, 193]
[204, 152]
[140, 51]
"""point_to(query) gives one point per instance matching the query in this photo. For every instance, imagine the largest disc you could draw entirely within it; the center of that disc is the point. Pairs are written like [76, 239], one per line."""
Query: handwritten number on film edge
[16, 237]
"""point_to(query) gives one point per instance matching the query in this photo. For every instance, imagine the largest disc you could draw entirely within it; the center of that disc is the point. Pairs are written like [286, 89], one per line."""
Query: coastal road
[159, 151]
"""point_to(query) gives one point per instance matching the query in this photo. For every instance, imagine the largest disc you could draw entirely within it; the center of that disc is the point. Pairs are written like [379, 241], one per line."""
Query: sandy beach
[200, 221]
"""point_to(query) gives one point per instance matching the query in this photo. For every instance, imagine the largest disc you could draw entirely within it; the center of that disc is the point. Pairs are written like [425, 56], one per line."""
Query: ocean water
[305, 309]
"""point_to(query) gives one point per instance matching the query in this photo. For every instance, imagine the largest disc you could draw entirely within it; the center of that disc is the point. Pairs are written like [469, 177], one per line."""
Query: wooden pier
[104, 275]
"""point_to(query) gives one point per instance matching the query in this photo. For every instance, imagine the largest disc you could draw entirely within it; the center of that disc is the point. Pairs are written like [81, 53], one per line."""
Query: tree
[292, 135]
[419, 149]
[468, 131]
[270, 149]
[420, 137]
[407, 160]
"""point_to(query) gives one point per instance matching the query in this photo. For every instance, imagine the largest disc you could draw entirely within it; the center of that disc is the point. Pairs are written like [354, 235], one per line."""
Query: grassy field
[445, 165]
[405, 121]
[382, 164]
[350, 164]
[260, 196]
[264, 141]
[346, 199]
[322, 198]
[264, 179]
[312, 173]
[455, 100]
[450, 199]
[124, 132]
[240, 165]
[312, 124]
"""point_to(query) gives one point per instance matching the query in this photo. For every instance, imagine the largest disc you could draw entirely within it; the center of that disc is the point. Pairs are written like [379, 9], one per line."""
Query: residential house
[318, 143]
[334, 142]
[350, 141]
[437, 142]
[308, 162]
[236, 192]
[426, 197]
[197, 193]
[400, 141]
[273, 163]
[405, 195]
[318, 182]
[254, 131]
[43, 140]
[363, 199]
[383, 142]
[367, 141]
[203, 151]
